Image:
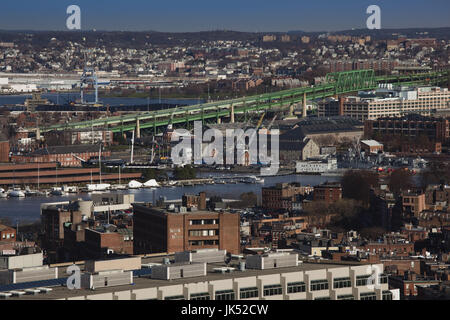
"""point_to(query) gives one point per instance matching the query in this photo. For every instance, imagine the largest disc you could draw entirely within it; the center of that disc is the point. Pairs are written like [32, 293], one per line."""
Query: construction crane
[260, 121]
[259, 125]
[88, 77]
[76, 157]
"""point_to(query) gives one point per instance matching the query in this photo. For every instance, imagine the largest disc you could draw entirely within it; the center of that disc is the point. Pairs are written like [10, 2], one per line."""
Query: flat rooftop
[146, 282]
[164, 210]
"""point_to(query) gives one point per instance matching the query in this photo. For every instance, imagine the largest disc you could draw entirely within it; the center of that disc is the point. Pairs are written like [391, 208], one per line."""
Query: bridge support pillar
[219, 120]
[304, 114]
[341, 105]
[232, 114]
[138, 129]
[291, 110]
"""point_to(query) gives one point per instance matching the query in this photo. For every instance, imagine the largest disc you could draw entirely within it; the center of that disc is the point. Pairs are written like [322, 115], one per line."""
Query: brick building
[282, 195]
[4, 148]
[413, 203]
[7, 233]
[328, 192]
[398, 249]
[81, 136]
[197, 201]
[100, 242]
[371, 146]
[67, 156]
[410, 126]
[163, 230]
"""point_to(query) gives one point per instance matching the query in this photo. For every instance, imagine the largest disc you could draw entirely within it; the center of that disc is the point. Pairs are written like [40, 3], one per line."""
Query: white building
[310, 282]
[316, 166]
[422, 100]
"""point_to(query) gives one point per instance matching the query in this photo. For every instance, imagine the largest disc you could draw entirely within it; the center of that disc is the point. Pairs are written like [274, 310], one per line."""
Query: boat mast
[132, 148]
[100, 162]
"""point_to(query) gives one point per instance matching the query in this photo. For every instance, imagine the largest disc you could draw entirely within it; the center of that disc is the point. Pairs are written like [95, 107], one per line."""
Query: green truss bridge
[335, 84]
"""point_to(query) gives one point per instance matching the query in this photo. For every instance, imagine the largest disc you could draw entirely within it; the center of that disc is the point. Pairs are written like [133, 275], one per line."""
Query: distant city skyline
[202, 15]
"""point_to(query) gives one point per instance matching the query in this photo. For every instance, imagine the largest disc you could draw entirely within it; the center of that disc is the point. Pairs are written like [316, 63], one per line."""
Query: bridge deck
[337, 83]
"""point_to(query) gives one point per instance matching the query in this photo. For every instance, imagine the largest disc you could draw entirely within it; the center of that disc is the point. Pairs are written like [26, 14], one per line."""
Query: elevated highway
[336, 84]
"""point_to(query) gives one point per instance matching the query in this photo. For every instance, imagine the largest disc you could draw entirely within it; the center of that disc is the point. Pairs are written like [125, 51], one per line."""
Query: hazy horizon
[201, 15]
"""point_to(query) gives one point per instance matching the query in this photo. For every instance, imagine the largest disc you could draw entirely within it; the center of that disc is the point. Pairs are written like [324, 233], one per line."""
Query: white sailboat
[133, 184]
[16, 193]
[151, 184]
[98, 186]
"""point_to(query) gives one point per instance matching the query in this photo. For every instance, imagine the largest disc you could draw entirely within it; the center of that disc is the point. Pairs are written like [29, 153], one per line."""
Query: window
[383, 278]
[322, 298]
[342, 283]
[273, 290]
[225, 295]
[387, 295]
[246, 293]
[317, 285]
[200, 296]
[346, 297]
[180, 297]
[294, 287]
[203, 233]
[362, 280]
[368, 296]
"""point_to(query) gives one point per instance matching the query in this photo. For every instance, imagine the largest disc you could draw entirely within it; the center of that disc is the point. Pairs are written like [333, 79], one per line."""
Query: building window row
[317, 285]
[342, 283]
[202, 221]
[225, 295]
[203, 233]
[200, 296]
[362, 280]
[294, 287]
[368, 296]
[203, 242]
[180, 297]
[247, 293]
[322, 298]
[387, 295]
[273, 290]
[346, 297]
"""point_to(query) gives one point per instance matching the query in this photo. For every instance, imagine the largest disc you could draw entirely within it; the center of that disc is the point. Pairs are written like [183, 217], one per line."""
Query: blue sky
[240, 15]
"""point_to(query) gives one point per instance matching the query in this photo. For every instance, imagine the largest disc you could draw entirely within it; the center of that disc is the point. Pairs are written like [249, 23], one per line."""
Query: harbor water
[26, 210]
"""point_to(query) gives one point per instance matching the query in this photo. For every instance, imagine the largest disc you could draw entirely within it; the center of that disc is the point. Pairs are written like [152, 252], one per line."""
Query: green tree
[184, 173]
[356, 185]
[399, 180]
